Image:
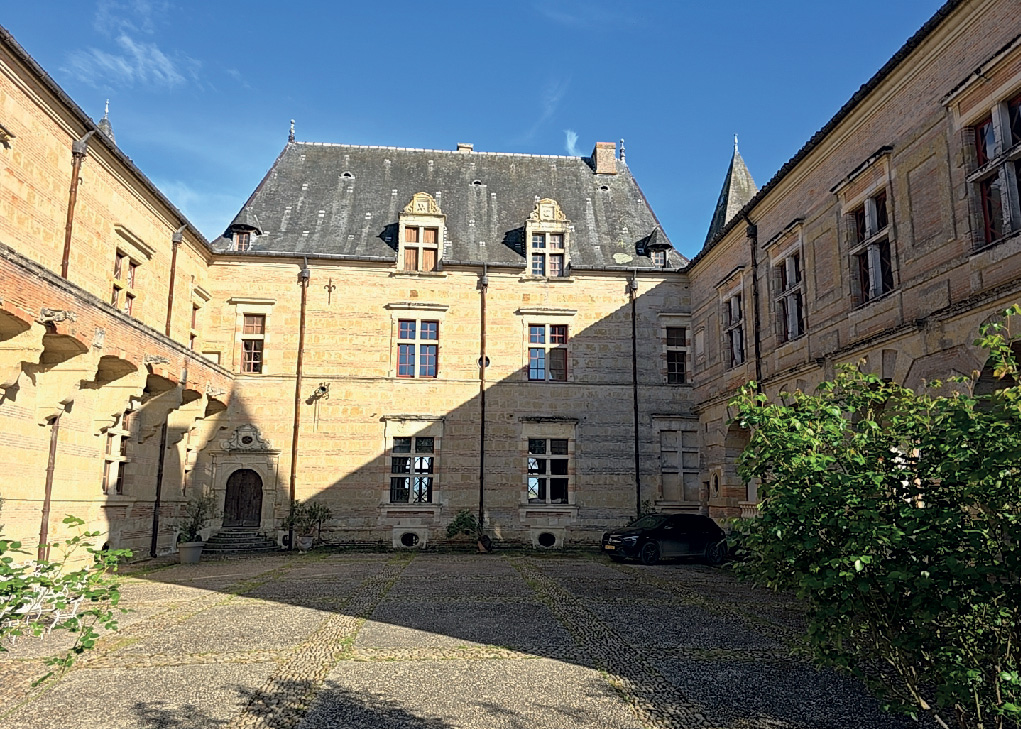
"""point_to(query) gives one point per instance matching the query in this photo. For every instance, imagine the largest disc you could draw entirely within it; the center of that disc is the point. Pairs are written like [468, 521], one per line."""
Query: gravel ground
[437, 641]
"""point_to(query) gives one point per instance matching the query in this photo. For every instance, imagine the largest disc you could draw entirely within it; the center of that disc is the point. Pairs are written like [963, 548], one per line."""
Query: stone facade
[872, 245]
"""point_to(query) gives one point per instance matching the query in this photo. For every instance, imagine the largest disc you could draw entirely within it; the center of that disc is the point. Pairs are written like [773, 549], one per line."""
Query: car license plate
[609, 546]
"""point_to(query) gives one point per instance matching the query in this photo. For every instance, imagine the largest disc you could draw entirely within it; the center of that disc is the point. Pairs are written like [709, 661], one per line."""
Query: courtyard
[367, 640]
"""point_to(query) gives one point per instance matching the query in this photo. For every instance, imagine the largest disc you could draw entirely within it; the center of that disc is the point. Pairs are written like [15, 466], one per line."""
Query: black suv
[667, 535]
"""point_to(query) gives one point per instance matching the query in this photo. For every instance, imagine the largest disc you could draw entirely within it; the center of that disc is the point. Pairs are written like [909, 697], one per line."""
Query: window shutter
[429, 236]
[428, 259]
[411, 235]
[410, 259]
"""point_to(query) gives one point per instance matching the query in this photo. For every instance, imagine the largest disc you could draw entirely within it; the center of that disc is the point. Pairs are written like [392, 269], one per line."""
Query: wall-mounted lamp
[322, 392]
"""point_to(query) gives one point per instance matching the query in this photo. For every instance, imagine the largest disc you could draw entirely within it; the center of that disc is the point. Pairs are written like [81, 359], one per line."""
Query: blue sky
[202, 93]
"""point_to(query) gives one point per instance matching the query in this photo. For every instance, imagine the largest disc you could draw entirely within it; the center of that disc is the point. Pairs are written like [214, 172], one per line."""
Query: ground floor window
[412, 468]
[548, 466]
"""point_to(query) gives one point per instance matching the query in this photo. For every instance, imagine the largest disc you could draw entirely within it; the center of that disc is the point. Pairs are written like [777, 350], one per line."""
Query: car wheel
[716, 552]
[649, 553]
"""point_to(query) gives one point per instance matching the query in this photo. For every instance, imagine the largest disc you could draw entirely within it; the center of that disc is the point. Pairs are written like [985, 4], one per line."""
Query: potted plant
[304, 518]
[198, 512]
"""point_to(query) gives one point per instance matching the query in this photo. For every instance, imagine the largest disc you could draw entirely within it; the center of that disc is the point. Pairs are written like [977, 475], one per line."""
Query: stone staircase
[239, 540]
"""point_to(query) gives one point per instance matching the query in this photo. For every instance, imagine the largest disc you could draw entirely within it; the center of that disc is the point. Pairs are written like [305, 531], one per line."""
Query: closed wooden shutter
[411, 235]
[410, 259]
[428, 259]
[429, 236]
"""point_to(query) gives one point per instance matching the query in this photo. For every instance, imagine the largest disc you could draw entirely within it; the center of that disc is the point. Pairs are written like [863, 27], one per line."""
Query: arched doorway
[242, 506]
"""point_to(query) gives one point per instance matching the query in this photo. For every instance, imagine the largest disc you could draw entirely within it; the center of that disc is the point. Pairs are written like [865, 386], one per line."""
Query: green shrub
[897, 517]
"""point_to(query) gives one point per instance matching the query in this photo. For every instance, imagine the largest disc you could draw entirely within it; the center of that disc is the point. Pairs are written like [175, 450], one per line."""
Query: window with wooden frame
[871, 253]
[412, 470]
[733, 330]
[548, 469]
[676, 355]
[253, 336]
[115, 454]
[658, 258]
[421, 230]
[125, 279]
[242, 240]
[789, 297]
[421, 248]
[547, 352]
[546, 252]
[417, 348]
[996, 141]
[546, 240]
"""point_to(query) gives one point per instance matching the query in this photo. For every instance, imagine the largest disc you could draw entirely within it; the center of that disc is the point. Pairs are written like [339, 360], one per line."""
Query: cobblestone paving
[432, 641]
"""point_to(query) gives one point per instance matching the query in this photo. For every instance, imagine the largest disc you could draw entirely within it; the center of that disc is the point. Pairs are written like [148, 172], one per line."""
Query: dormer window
[421, 246]
[242, 240]
[421, 230]
[546, 231]
[659, 259]
[547, 253]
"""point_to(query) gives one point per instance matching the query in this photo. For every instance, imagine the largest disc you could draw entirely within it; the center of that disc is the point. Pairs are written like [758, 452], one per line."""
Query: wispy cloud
[132, 60]
[571, 142]
[583, 14]
[209, 210]
[553, 93]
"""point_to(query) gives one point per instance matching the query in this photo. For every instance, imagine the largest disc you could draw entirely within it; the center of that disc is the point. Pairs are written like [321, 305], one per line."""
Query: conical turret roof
[738, 189]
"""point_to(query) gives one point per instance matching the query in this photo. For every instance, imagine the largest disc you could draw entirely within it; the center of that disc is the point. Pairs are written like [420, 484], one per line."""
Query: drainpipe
[159, 488]
[51, 462]
[633, 290]
[79, 148]
[483, 286]
[304, 276]
[752, 232]
[178, 237]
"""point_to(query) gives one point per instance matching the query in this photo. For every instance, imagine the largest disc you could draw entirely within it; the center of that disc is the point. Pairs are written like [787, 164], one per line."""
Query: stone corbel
[162, 398]
[19, 350]
[64, 365]
[117, 382]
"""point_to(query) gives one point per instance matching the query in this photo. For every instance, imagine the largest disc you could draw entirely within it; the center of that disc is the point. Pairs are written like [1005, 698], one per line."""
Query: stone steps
[239, 540]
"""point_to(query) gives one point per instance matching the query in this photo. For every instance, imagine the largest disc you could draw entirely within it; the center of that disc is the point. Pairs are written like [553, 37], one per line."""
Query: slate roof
[738, 189]
[335, 199]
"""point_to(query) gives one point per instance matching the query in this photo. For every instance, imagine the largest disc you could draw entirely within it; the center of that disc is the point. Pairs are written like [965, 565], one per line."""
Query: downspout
[483, 286]
[159, 489]
[752, 232]
[79, 148]
[51, 462]
[633, 289]
[178, 237]
[304, 276]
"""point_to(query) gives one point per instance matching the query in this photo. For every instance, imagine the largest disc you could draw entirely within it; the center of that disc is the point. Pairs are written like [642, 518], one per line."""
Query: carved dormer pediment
[548, 210]
[422, 203]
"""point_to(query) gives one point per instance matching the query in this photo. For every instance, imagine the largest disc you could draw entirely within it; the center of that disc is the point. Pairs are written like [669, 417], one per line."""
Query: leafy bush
[306, 516]
[897, 517]
[37, 596]
[464, 523]
[198, 512]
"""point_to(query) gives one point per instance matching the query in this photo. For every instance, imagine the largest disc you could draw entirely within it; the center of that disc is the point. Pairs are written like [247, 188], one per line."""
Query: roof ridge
[441, 151]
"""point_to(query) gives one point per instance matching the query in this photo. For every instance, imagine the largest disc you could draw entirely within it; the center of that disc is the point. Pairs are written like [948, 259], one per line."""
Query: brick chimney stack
[604, 158]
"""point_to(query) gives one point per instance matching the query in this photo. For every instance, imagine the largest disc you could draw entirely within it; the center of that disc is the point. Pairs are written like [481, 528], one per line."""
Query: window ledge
[1010, 237]
[870, 302]
[681, 384]
[547, 511]
[546, 279]
[418, 274]
[390, 509]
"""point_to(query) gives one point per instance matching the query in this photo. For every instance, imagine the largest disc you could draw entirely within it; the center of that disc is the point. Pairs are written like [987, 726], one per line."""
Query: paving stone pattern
[437, 641]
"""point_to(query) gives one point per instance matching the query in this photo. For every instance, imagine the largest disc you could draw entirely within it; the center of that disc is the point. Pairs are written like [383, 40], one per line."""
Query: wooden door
[242, 505]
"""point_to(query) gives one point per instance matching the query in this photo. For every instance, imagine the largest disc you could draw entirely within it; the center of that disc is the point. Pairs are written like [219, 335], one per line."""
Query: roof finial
[290, 137]
[104, 124]
[735, 144]
[622, 149]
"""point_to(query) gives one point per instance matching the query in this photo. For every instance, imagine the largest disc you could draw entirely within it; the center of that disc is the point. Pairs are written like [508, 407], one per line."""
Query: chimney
[465, 147]
[604, 158]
